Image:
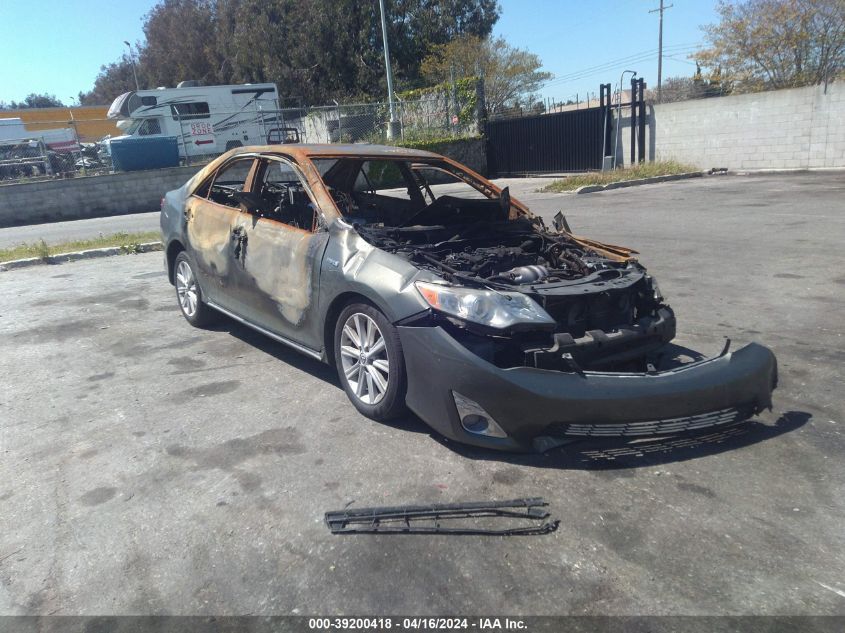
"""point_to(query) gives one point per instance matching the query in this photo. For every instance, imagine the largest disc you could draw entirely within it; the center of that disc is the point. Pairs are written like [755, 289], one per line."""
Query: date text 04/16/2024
[417, 624]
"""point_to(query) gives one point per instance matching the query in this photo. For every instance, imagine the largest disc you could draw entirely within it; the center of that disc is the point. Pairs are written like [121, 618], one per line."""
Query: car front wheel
[188, 292]
[369, 361]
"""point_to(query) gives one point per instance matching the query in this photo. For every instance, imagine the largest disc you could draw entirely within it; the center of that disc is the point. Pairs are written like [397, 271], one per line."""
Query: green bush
[434, 144]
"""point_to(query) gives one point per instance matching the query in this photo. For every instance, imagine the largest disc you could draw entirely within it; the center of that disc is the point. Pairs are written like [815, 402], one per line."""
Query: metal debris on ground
[497, 518]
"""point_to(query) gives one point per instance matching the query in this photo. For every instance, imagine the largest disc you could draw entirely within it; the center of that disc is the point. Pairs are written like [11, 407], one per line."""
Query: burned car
[431, 288]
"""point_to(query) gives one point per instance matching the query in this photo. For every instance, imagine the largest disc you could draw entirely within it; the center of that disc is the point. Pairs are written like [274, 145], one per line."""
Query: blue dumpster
[132, 153]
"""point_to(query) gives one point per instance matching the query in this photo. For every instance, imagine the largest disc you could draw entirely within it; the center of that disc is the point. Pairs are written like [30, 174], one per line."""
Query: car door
[215, 225]
[285, 242]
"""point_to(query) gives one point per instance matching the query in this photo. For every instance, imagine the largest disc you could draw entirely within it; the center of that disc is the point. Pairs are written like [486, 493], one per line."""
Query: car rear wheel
[188, 292]
[369, 361]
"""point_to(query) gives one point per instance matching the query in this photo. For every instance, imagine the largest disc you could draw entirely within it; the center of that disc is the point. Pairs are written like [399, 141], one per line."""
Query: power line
[649, 54]
[677, 49]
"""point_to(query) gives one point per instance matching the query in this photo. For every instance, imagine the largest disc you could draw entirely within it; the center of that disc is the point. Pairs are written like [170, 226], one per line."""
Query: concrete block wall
[470, 152]
[89, 197]
[799, 128]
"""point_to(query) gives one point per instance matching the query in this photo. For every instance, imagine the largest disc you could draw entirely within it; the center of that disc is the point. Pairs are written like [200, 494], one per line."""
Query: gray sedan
[432, 289]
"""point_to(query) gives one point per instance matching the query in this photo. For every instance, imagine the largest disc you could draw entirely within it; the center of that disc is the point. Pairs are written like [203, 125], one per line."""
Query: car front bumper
[536, 407]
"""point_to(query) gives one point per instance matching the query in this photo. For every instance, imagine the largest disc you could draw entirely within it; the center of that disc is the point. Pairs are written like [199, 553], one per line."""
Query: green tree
[33, 100]
[114, 79]
[181, 43]
[511, 75]
[771, 44]
[300, 46]
[315, 50]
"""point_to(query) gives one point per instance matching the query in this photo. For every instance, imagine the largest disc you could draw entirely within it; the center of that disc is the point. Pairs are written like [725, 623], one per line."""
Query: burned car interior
[265, 189]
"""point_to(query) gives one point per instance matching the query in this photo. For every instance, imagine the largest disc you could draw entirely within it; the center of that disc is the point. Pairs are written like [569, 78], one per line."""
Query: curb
[638, 181]
[94, 253]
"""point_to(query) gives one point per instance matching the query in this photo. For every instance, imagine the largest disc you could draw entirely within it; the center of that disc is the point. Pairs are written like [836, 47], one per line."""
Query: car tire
[189, 294]
[373, 373]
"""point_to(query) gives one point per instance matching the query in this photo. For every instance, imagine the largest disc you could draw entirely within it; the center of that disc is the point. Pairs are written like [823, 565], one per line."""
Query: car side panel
[280, 266]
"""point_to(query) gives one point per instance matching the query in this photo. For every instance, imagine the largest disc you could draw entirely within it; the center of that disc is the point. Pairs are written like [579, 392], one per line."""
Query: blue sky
[58, 46]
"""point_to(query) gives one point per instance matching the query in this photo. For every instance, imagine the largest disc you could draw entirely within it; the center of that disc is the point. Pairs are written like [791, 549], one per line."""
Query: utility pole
[132, 59]
[660, 9]
[391, 127]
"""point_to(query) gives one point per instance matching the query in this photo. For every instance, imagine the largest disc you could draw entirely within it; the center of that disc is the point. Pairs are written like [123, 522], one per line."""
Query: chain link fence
[32, 159]
[422, 119]
[55, 150]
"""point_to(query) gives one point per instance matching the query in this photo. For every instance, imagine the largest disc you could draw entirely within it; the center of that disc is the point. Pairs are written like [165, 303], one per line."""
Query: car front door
[285, 242]
[216, 220]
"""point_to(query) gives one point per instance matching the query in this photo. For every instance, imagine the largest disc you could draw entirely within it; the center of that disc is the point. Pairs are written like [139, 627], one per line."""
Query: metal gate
[576, 140]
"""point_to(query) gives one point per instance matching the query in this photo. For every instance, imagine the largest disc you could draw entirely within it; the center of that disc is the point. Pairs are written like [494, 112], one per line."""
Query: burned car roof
[337, 149]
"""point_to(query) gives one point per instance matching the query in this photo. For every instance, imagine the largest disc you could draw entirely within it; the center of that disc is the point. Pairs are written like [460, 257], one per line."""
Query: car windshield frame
[339, 178]
[413, 163]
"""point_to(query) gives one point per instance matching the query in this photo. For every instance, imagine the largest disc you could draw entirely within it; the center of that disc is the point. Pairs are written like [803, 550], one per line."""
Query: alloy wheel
[186, 289]
[364, 358]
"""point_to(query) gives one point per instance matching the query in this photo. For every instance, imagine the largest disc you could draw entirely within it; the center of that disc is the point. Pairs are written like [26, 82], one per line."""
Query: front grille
[595, 311]
[653, 427]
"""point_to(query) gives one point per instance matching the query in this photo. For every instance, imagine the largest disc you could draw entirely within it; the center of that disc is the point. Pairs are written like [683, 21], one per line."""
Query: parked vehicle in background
[427, 285]
[204, 119]
[57, 140]
[26, 153]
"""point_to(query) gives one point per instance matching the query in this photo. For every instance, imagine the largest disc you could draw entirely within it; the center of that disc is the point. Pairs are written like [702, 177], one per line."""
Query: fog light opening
[474, 419]
[475, 423]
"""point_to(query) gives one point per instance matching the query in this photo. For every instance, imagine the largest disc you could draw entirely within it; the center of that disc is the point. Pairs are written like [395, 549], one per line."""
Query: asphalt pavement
[150, 467]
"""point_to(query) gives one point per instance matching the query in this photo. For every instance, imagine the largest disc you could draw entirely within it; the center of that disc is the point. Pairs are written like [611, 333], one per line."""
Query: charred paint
[209, 227]
[277, 259]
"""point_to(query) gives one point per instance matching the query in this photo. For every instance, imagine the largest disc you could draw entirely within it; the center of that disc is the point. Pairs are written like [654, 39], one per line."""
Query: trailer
[26, 153]
[14, 130]
[204, 119]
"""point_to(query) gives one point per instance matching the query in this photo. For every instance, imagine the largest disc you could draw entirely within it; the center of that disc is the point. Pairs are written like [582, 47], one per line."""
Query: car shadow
[277, 350]
[617, 454]
[311, 366]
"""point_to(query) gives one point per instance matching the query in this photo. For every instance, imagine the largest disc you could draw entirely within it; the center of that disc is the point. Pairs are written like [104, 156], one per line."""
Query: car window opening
[228, 185]
[400, 193]
[281, 196]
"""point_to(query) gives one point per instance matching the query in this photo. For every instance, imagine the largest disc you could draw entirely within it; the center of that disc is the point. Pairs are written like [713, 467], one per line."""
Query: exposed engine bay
[509, 253]
[607, 312]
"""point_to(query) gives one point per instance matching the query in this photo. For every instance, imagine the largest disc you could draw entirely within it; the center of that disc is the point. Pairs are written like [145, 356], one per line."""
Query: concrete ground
[149, 467]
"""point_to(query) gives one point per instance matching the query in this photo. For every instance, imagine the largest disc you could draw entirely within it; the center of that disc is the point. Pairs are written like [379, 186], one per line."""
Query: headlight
[498, 310]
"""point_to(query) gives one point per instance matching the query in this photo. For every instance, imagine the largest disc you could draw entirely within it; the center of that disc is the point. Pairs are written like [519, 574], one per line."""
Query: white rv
[204, 119]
